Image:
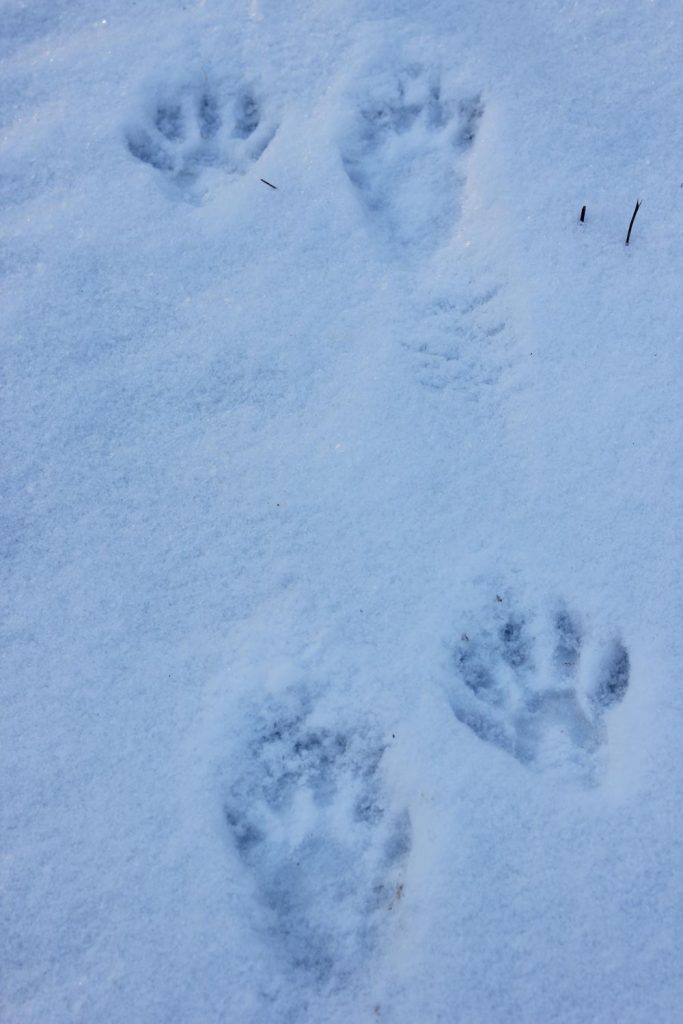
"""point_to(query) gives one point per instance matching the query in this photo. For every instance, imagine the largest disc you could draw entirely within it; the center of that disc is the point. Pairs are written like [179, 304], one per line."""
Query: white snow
[341, 524]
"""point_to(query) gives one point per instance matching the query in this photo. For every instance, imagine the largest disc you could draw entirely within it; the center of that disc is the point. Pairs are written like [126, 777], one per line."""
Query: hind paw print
[311, 823]
[404, 153]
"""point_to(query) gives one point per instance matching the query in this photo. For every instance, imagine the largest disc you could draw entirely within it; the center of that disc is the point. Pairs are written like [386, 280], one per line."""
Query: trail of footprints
[193, 127]
[539, 689]
[307, 812]
[310, 821]
[403, 152]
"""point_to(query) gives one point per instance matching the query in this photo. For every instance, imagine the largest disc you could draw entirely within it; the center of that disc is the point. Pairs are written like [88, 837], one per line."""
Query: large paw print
[538, 690]
[312, 824]
[193, 128]
[404, 153]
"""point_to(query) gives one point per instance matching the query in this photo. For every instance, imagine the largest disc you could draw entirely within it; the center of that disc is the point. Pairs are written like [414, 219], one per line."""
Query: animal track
[455, 346]
[309, 819]
[402, 151]
[540, 693]
[190, 129]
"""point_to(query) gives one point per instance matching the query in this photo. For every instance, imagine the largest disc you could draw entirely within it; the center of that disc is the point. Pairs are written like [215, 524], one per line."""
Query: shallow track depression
[341, 542]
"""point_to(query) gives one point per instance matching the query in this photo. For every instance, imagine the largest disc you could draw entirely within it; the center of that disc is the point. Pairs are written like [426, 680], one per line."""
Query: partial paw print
[195, 127]
[310, 821]
[404, 153]
[456, 344]
[539, 690]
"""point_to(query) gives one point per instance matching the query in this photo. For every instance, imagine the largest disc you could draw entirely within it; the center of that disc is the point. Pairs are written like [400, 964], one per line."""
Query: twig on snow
[633, 217]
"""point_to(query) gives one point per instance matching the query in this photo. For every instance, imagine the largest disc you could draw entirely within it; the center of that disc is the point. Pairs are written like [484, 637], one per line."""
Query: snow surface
[342, 520]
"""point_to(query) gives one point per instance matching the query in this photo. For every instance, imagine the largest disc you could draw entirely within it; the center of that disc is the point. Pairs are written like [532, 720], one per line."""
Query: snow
[341, 523]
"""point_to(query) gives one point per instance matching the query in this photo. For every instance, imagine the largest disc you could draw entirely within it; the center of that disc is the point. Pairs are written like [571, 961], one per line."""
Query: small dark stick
[633, 217]
[583, 214]
[269, 184]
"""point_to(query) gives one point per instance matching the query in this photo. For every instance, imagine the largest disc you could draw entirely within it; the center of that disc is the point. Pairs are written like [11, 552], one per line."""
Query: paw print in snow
[311, 823]
[192, 129]
[540, 693]
[404, 153]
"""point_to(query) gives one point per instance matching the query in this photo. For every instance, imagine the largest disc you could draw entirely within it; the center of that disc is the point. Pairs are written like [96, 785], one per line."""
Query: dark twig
[269, 184]
[633, 217]
[583, 214]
